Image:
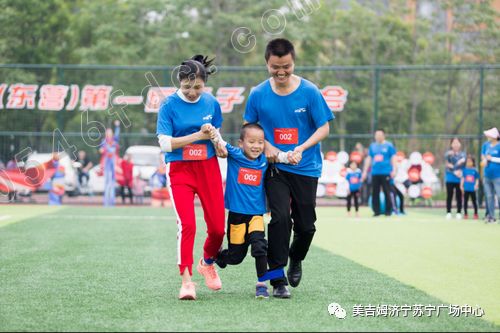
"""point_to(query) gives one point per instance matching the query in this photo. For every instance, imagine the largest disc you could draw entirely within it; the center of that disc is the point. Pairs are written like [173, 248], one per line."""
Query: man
[295, 119]
[381, 157]
[84, 166]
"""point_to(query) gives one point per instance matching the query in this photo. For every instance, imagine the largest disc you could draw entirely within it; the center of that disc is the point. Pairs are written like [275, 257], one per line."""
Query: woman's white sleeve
[165, 142]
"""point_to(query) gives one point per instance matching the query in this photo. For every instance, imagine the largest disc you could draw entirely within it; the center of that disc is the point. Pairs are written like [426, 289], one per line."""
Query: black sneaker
[281, 291]
[294, 272]
[220, 263]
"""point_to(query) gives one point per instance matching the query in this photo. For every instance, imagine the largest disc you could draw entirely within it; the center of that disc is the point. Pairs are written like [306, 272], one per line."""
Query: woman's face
[456, 145]
[192, 89]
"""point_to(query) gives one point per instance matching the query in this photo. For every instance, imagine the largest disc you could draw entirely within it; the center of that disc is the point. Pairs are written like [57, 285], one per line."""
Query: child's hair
[248, 126]
[279, 47]
[472, 159]
[198, 66]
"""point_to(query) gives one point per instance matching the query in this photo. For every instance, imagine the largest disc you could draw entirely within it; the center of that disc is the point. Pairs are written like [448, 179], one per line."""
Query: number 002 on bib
[286, 136]
[250, 177]
[194, 152]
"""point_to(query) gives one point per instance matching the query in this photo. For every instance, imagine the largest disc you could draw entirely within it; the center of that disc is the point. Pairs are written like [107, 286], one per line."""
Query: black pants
[122, 192]
[471, 195]
[242, 231]
[450, 188]
[397, 192]
[291, 197]
[355, 195]
[381, 181]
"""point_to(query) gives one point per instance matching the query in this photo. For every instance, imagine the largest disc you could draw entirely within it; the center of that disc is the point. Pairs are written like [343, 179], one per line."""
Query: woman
[194, 169]
[110, 150]
[491, 180]
[455, 162]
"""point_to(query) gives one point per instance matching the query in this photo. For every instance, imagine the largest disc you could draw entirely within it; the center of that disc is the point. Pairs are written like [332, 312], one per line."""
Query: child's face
[469, 164]
[253, 143]
[353, 166]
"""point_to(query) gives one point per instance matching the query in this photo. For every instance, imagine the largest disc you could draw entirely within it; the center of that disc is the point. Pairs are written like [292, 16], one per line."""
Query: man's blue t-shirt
[354, 179]
[458, 161]
[492, 170]
[290, 120]
[381, 154]
[470, 176]
[245, 183]
[179, 118]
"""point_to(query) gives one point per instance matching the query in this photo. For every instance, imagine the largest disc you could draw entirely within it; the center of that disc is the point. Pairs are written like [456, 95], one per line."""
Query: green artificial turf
[114, 269]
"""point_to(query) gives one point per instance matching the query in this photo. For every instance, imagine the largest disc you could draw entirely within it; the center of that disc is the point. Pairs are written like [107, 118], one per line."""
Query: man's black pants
[292, 201]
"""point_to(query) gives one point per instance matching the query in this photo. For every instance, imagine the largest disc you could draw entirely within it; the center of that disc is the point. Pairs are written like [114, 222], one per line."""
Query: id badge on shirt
[286, 136]
[194, 152]
[250, 177]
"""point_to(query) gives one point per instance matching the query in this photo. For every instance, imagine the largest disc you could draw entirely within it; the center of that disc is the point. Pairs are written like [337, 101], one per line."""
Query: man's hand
[271, 153]
[296, 155]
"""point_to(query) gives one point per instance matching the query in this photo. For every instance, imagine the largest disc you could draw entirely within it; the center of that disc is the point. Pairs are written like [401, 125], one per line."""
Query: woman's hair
[197, 67]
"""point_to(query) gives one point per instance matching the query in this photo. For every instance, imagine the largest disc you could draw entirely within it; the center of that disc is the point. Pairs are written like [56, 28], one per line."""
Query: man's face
[379, 136]
[281, 68]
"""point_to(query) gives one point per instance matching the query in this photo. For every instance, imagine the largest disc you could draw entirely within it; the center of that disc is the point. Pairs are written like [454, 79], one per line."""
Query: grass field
[91, 268]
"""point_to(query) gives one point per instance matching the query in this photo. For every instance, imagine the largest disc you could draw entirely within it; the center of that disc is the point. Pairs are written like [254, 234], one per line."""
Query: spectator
[128, 178]
[455, 160]
[491, 179]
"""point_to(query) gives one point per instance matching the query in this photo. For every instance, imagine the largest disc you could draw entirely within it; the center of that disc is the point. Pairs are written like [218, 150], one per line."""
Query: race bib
[354, 180]
[194, 152]
[250, 177]
[378, 158]
[286, 136]
[469, 179]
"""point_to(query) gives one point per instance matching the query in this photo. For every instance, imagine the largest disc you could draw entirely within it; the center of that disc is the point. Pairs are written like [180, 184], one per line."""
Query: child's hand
[221, 150]
[213, 134]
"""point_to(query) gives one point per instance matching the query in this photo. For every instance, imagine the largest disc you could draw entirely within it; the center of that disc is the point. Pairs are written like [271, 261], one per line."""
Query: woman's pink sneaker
[188, 291]
[209, 272]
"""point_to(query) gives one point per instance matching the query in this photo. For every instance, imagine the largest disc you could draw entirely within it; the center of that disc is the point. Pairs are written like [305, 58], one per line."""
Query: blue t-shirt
[454, 159]
[354, 179]
[179, 118]
[492, 170]
[485, 147]
[290, 120]
[245, 183]
[470, 176]
[381, 154]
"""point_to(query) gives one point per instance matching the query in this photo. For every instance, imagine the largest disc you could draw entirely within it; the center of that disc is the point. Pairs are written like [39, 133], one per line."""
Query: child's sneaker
[466, 216]
[459, 216]
[476, 217]
[209, 272]
[448, 216]
[261, 290]
[188, 291]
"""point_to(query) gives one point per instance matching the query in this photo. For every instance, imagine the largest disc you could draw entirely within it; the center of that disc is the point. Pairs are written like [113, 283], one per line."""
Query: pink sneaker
[209, 272]
[188, 291]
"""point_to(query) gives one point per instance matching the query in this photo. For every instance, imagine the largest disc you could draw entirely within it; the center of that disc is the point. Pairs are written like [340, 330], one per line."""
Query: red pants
[203, 178]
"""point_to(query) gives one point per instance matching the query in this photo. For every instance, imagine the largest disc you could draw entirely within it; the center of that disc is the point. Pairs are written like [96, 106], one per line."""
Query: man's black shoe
[294, 272]
[281, 291]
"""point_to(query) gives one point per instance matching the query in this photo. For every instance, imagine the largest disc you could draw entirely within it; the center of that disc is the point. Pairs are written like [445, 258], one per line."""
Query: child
[354, 179]
[138, 188]
[469, 184]
[245, 199]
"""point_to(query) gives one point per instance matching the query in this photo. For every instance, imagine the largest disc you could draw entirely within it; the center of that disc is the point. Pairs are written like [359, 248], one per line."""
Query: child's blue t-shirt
[354, 179]
[245, 192]
[290, 120]
[470, 176]
[179, 118]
